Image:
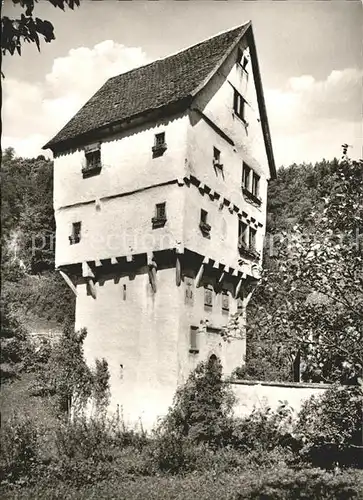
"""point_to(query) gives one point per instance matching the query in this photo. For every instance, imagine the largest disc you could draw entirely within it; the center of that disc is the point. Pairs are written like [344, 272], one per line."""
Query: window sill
[159, 150]
[255, 200]
[194, 351]
[246, 252]
[91, 171]
[205, 228]
[245, 123]
[158, 222]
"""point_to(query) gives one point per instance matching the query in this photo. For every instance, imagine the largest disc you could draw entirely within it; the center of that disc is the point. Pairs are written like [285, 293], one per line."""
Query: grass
[199, 486]
[16, 399]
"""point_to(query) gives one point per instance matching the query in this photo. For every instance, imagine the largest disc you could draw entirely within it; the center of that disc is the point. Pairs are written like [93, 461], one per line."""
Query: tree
[310, 301]
[14, 32]
[202, 406]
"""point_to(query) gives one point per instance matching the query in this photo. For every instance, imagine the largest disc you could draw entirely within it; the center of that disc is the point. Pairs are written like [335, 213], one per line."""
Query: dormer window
[217, 164]
[160, 215]
[203, 224]
[93, 163]
[239, 105]
[159, 145]
[75, 236]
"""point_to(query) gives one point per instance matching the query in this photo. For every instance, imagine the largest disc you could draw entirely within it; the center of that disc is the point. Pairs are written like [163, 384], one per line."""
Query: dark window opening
[246, 173]
[124, 292]
[217, 157]
[255, 184]
[213, 360]
[242, 234]
[239, 105]
[159, 144]
[75, 237]
[252, 238]
[244, 63]
[203, 224]
[93, 162]
[160, 215]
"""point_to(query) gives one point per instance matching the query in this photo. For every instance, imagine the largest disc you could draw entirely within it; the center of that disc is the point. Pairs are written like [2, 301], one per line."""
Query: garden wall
[252, 394]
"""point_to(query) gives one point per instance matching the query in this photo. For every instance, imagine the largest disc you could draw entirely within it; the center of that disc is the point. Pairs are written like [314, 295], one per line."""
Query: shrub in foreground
[330, 427]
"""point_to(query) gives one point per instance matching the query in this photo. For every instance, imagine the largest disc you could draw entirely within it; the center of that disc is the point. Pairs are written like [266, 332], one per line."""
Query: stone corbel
[89, 275]
[179, 250]
[238, 288]
[69, 282]
[200, 272]
[152, 268]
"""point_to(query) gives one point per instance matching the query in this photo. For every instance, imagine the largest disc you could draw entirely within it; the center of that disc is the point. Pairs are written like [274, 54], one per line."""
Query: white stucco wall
[251, 394]
[127, 164]
[120, 226]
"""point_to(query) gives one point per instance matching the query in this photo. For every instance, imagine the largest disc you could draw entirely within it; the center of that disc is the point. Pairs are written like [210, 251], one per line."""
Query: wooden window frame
[159, 220]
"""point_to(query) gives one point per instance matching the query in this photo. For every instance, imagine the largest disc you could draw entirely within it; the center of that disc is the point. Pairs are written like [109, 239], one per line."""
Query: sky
[310, 56]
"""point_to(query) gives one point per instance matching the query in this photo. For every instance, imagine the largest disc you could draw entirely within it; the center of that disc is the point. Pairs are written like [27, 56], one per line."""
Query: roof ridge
[181, 50]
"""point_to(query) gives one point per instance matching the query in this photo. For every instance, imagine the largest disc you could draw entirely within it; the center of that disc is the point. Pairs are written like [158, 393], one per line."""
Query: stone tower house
[160, 185]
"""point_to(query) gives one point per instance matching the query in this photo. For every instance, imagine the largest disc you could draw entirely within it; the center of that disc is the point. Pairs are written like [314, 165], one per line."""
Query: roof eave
[79, 140]
[261, 102]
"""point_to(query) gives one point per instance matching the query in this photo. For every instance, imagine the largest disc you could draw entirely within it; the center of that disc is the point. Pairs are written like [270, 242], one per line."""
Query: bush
[330, 427]
[202, 407]
[19, 447]
[288, 484]
[264, 429]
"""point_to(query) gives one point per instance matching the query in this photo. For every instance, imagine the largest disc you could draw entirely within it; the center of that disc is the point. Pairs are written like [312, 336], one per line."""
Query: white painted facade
[145, 335]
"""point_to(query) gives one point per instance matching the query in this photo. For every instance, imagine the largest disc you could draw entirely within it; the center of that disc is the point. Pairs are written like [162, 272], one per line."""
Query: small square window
[160, 139]
[93, 164]
[159, 144]
[255, 184]
[208, 297]
[252, 238]
[160, 215]
[161, 210]
[246, 174]
[193, 340]
[75, 237]
[216, 156]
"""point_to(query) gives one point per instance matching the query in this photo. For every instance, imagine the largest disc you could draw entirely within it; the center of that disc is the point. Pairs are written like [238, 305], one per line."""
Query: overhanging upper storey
[160, 88]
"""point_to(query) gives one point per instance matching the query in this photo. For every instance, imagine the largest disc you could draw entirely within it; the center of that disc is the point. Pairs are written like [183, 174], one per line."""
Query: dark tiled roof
[150, 87]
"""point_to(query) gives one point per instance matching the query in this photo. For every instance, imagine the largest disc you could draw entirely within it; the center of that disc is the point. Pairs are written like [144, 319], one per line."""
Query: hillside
[35, 298]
